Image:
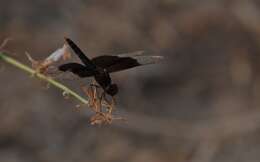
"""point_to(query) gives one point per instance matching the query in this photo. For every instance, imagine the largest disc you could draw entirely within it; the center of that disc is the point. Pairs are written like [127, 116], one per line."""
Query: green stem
[27, 69]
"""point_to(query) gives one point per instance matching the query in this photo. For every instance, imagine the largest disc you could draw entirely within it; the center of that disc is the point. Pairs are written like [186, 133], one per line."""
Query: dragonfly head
[112, 89]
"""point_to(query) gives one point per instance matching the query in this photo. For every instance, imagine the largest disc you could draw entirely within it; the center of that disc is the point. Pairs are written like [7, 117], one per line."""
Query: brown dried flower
[42, 66]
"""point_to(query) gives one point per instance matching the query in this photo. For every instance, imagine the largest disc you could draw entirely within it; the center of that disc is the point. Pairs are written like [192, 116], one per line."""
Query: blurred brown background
[200, 105]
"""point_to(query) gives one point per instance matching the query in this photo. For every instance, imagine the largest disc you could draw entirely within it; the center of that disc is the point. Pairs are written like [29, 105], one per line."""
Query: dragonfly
[100, 67]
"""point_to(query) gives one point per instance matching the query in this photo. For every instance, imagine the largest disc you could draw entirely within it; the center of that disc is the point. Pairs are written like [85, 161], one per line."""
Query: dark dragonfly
[101, 66]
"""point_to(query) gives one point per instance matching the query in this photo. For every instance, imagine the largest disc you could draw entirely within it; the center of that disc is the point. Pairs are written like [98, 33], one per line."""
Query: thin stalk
[29, 70]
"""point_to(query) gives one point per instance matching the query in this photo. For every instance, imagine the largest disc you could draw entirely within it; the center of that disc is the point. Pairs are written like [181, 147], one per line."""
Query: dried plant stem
[29, 70]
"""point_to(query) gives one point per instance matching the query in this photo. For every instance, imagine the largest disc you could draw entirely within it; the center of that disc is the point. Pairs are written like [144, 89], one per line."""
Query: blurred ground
[200, 105]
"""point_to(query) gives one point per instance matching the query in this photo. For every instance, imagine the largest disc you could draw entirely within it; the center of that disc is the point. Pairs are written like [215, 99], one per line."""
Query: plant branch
[4, 57]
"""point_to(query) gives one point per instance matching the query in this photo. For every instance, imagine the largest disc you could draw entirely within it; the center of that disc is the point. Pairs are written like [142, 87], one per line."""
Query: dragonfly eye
[112, 89]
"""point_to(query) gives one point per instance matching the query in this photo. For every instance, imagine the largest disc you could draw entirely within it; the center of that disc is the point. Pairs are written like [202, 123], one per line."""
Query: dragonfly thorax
[103, 78]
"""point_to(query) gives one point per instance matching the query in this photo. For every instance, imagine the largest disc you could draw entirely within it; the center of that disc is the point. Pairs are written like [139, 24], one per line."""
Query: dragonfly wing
[131, 54]
[109, 60]
[76, 69]
[105, 61]
[123, 62]
[80, 54]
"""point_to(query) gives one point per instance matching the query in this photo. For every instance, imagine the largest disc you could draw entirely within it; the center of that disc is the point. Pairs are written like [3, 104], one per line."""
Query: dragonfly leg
[109, 104]
[94, 84]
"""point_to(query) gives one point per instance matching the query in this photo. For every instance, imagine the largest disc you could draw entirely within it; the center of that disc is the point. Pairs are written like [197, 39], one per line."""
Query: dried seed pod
[65, 94]
[101, 118]
[42, 66]
[4, 43]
